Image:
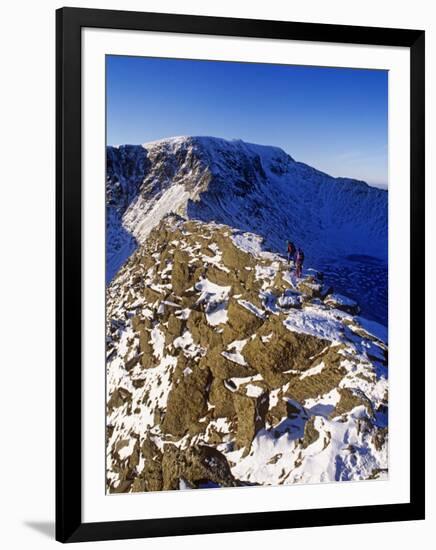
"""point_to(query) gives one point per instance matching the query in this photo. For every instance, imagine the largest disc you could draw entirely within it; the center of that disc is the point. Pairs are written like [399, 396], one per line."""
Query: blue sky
[333, 119]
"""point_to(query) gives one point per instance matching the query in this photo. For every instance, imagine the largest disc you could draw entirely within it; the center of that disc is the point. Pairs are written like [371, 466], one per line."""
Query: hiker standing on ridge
[291, 251]
[299, 262]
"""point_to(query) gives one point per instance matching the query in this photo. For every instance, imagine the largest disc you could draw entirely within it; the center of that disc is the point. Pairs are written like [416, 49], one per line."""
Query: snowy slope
[125, 169]
[340, 223]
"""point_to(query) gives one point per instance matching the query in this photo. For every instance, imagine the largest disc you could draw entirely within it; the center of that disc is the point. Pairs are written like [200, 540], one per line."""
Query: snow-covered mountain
[340, 223]
[225, 370]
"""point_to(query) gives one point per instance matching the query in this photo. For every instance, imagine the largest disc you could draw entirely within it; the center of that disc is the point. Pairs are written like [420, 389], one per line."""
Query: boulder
[241, 321]
[318, 275]
[283, 409]
[197, 466]
[146, 261]
[202, 332]
[233, 257]
[180, 275]
[380, 438]
[118, 398]
[311, 434]
[151, 295]
[150, 478]
[251, 413]
[187, 400]
[220, 277]
[349, 400]
[174, 328]
[125, 468]
[222, 400]
[316, 385]
[132, 362]
[343, 303]
[310, 288]
[123, 486]
[285, 350]
[279, 283]
[147, 358]
[222, 368]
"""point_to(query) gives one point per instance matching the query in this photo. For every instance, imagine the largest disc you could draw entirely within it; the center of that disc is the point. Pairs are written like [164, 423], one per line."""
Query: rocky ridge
[340, 223]
[224, 370]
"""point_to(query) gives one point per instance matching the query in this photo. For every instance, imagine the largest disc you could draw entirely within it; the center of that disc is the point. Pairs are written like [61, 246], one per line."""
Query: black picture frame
[69, 525]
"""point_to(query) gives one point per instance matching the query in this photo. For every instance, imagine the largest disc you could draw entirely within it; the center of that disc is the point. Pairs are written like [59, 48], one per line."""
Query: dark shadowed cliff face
[252, 188]
[126, 168]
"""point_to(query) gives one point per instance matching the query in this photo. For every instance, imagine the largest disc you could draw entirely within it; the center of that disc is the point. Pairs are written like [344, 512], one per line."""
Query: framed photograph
[240, 296]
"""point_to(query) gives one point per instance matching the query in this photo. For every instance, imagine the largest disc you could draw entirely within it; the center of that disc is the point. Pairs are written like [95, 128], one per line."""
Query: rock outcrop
[223, 369]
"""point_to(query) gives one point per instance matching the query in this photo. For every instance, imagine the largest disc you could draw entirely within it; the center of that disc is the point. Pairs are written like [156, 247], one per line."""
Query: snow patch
[214, 298]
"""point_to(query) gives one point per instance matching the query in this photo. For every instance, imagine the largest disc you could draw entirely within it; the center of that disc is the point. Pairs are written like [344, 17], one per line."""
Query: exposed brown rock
[201, 331]
[311, 434]
[201, 388]
[196, 465]
[284, 351]
[180, 276]
[233, 257]
[223, 368]
[150, 479]
[350, 399]
[174, 329]
[251, 413]
[118, 398]
[147, 358]
[284, 408]
[187, 400]
[321, 383]
[151, 295]
[350, 306]
[380, 438]
[222, 400]
[242, 322]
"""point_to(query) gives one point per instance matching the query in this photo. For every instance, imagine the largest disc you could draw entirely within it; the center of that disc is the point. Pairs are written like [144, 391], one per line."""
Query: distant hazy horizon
[333, 119]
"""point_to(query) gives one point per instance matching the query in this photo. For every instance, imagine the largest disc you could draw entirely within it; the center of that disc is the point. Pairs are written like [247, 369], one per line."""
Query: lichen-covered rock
[251, 413]
[175, 327]
[283, 351]
[241, 321]
[180, 276]
[151, 473]
[311, 434]
[147, 353]
[201, 331]
[350, 399]
[321, 383]
[233, 257]
[118, 398]
[187, 400]
[196, 465]
[221, 398]
[222, 368]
